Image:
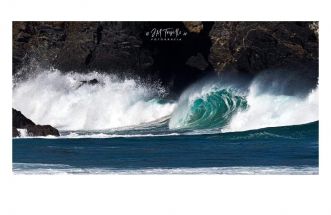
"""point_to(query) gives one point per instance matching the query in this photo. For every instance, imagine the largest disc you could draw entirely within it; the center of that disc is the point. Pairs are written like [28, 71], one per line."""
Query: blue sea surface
[279, 150]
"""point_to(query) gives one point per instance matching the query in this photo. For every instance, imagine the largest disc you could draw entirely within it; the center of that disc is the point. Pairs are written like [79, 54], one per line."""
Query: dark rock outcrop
[41, 130]
[126, 48]
[91, 82]
[112, 47]
[15, 132]
[251, 47]
[79, 46]
[21, 122]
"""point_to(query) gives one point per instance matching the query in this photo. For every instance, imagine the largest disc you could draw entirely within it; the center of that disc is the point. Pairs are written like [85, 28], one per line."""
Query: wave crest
[210, 108]
[95, 101]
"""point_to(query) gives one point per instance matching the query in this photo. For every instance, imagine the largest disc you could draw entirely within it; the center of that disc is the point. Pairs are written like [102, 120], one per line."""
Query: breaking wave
[209, 107]
[94, 101]
[231, 108]
[272, 110]
[76, 101]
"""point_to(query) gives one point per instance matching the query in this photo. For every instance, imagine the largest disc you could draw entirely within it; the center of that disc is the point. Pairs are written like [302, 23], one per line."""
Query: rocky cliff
[254, 46]
[127, 48]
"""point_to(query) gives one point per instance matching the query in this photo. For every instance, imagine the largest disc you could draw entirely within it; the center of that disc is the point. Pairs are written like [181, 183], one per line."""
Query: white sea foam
[74, 135]
[267, 106]
[27, 168]
[269, 110]
[64, 101]
[22, 132]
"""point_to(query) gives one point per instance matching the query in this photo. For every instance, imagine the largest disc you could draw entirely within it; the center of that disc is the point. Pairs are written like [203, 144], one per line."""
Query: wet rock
[41, 130]
[92, 82]
[19, 120]
[15, 132]
[22, 122]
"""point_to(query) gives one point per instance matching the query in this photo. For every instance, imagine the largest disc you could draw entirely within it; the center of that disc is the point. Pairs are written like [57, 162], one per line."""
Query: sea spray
[270, 110]
[70, 102]
[225, 105]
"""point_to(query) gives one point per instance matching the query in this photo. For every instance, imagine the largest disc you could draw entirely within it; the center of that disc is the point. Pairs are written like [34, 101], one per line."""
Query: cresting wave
[211, 106]
[229, 108]
[73, 102]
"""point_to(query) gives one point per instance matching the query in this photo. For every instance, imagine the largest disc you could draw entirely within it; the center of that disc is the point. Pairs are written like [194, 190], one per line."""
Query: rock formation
[254, 46]
[207, 47]
[112, 47]
[21, 122]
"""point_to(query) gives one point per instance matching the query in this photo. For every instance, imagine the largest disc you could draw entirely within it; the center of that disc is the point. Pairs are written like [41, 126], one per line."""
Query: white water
[23, 132]
[74, 135]
[267, 110]
[62, 101]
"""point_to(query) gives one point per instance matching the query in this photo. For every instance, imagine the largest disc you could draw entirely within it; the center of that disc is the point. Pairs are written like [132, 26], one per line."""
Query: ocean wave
[225, 107]
[123, 108]
[69, 102]
[211, 106]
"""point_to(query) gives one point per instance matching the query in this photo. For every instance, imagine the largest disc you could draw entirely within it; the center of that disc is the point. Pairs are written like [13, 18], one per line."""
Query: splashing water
[268, 110]
[69, 102]
[72, 102]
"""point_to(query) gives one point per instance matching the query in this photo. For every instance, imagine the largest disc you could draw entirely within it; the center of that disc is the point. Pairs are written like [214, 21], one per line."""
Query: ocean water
[126, 126]
[280, 150]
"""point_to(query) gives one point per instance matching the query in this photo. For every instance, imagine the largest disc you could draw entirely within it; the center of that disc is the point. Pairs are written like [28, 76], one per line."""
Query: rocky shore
[30, 128]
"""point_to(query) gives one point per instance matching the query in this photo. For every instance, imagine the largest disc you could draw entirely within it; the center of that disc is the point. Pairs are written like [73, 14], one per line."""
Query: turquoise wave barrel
[213, 109]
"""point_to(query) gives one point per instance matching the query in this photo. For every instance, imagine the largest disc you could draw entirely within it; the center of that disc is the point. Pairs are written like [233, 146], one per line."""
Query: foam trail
[68, 102]
[269, 110]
